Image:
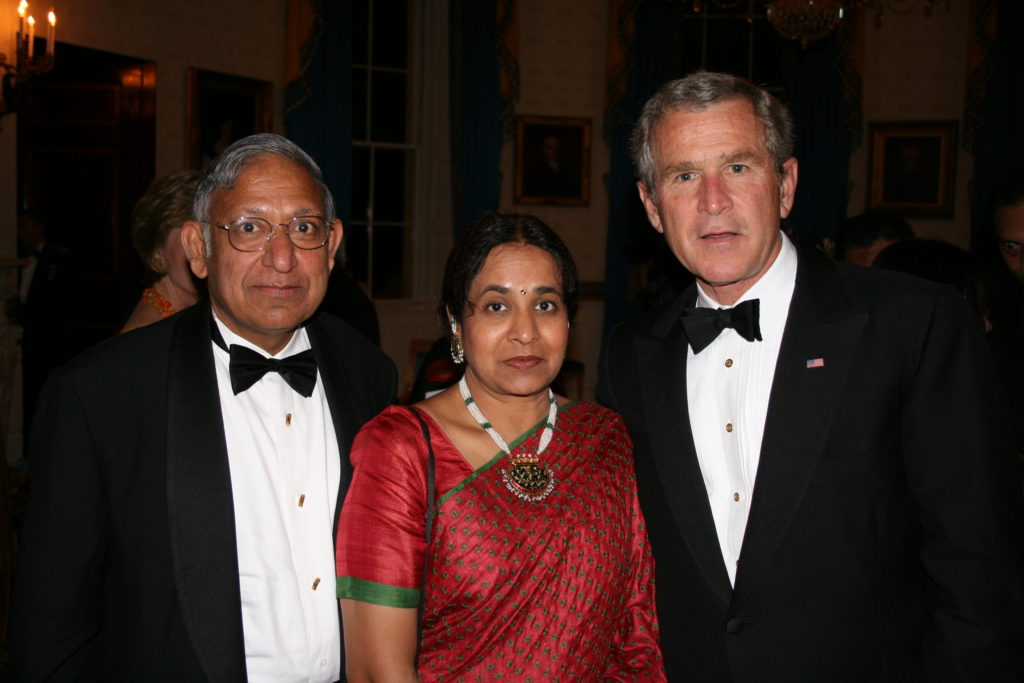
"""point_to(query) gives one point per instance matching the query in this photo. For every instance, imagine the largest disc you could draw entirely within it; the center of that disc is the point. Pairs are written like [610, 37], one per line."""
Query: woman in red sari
[537, 561]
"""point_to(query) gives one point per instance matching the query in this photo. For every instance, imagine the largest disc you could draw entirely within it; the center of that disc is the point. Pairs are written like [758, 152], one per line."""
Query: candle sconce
[28, 62]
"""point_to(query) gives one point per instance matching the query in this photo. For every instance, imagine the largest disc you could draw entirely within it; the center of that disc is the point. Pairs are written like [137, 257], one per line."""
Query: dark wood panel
[75, 104]
[86, 137]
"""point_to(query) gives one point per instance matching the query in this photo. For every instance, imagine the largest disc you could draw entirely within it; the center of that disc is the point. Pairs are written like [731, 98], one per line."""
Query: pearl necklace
[528, 479]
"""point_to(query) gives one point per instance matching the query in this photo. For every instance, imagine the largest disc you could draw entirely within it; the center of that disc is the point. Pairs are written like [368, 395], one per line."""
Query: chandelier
[804, 20]
[809, 20]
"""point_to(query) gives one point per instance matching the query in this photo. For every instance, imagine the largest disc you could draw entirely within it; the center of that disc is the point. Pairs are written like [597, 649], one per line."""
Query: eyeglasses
[253, 234]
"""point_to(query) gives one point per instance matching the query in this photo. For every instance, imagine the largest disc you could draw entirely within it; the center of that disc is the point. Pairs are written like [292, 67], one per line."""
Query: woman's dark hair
[475, 245]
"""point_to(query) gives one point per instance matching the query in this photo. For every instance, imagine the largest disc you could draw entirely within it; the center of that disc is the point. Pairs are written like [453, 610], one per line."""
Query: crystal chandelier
[809, 20]
[804, 20]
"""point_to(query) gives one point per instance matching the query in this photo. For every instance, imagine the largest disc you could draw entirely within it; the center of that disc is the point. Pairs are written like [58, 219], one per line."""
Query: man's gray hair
[222, 173]
[700, 91]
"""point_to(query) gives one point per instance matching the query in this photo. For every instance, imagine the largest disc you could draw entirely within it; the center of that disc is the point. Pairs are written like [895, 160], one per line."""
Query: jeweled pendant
[529, 480]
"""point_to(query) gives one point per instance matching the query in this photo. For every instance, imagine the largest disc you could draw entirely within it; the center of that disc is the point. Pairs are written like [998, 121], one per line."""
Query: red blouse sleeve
[380, 544]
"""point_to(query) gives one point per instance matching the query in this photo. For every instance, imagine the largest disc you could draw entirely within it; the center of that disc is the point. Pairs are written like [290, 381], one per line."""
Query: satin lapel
[337, 388]
[199, 504]
[818, 347]
[662, 363]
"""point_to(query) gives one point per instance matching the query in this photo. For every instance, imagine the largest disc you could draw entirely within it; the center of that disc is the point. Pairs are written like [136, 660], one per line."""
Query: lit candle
[51, 32]
[31, 35]
[22, 8]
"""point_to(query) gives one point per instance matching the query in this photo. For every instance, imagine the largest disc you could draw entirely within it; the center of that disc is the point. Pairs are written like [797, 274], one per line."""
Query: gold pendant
[528, 478]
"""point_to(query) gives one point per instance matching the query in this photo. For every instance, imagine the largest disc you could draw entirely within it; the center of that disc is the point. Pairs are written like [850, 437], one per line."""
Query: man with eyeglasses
[186, 476]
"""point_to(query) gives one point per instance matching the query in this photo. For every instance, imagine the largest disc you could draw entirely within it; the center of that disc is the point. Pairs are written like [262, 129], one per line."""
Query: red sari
[556, 590]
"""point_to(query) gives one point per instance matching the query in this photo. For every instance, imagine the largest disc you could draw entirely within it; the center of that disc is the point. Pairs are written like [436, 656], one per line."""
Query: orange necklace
[158, 301]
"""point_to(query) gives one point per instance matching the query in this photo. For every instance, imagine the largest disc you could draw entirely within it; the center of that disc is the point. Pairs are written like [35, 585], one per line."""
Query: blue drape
[476, 128]
[655, 59]
[999, 142]
[318, 113]
[822, 143]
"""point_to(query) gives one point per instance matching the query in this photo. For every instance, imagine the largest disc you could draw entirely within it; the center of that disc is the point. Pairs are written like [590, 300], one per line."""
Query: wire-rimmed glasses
[253, 234]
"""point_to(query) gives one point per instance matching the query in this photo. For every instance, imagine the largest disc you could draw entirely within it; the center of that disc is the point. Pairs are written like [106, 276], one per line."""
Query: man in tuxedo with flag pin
[186, 476]
[828, 478]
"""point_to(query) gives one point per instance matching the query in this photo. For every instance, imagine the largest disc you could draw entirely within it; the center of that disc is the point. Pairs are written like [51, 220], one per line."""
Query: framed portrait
[552, 162]
[222, 109]
[912, 168]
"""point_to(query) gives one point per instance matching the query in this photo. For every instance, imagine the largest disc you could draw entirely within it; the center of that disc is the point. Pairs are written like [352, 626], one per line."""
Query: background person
[825, 467]
[537, 565]
[45, 311]
[940, 262]
[861, 237]
[157, 222]
[1004, 286]
[181, 518]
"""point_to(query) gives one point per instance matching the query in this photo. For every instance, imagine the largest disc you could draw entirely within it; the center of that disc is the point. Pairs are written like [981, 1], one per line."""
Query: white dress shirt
[727, 386]
[285, 473]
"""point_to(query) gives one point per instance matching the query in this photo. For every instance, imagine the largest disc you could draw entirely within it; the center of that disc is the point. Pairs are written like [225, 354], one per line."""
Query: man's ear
[334, 241]
[650, 207]
[787, 189]
[195, 248]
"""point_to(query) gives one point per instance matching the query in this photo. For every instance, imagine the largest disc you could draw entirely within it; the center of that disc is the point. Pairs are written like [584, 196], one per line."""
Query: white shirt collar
[774, 289]
[299, 341]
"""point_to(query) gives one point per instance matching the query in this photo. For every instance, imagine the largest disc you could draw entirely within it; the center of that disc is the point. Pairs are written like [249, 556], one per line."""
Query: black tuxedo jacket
[883, 542]
[128, 568]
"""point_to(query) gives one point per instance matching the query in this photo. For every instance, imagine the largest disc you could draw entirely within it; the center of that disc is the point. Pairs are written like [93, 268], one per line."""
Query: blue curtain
[318, 113]
[999, 141]
[476, 127]
[653, 55]
[822, 143]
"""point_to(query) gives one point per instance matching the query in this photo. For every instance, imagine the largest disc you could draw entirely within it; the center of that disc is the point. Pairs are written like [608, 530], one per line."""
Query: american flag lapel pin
[815, 363]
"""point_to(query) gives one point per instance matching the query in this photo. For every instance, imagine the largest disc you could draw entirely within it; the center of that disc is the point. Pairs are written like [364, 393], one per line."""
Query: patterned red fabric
[557, 590]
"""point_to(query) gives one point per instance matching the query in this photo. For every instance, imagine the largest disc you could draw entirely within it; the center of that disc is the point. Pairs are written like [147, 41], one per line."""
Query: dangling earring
[458, 355]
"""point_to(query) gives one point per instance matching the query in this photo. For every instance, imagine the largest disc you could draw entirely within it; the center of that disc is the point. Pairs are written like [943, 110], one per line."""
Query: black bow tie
[703, 325]
[248, 367]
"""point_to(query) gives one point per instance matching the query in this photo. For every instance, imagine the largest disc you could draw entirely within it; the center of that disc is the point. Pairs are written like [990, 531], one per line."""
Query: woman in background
[536, 563]
[156, 233]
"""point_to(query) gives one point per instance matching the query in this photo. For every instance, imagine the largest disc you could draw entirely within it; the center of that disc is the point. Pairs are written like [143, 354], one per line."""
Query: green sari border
[377, 593]
[498, 457]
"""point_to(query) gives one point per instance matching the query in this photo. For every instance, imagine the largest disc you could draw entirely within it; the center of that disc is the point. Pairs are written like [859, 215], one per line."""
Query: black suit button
[734, 625]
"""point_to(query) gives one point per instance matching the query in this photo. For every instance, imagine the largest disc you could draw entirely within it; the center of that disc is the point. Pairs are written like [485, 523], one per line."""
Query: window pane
[360, 183]
[391, 178]
[771, 53]
[729, 46]
[359, 97]
[357, 251]
[360, 31]
[389, 253]
[390, 47]
[692, 44]
[388, 123]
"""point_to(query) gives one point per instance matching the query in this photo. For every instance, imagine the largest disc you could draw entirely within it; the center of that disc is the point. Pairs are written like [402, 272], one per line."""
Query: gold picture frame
[912, 168]
[224, 108]
[552, 161]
